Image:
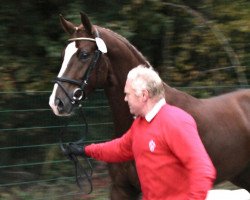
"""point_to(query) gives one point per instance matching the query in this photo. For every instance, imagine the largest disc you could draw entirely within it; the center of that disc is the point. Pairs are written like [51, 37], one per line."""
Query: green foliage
[178, 37]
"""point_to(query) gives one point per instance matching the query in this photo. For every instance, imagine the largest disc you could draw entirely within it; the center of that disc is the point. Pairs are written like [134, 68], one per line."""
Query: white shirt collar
[150, 115]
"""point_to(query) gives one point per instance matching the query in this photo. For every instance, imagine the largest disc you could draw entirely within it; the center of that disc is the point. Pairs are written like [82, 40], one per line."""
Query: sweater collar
[151, 114]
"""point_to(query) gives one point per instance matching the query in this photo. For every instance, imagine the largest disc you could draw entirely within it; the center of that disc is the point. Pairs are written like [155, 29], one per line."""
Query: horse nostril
[59, 104]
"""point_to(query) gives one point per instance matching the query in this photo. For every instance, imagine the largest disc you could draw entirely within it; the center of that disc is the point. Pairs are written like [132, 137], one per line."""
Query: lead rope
[81, 173]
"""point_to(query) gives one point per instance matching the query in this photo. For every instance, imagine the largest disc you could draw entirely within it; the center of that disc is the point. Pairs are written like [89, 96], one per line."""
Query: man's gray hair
[146, 78]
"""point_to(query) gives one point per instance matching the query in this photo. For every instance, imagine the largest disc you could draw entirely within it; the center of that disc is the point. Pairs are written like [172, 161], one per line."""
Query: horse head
[80, 66]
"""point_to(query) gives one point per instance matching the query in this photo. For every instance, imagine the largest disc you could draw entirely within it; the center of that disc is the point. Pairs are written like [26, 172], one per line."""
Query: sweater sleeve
[117, 150]
[186, 144]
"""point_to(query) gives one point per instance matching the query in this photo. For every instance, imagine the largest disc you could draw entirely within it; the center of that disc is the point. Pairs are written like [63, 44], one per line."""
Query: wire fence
[31, 163]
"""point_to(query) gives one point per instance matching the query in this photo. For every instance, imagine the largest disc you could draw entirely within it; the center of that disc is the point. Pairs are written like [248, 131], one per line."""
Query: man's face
[135, 102]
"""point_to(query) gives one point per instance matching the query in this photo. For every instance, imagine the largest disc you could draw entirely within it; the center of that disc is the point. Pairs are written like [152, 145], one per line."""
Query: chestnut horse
[97, 57]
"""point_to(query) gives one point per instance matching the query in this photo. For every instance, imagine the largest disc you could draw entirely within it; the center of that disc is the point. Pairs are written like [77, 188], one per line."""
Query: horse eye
[83, 55]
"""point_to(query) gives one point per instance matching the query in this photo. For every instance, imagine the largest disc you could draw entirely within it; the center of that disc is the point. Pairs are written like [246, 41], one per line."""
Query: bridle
[81, 173]
[79, 93]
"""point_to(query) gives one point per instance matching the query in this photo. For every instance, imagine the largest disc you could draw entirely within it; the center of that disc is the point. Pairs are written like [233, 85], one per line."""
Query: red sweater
[171, 161]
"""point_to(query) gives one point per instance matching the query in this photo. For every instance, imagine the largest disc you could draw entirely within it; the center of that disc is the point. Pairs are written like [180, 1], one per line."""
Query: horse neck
[180, 99]
[122, 57]
[120, 111]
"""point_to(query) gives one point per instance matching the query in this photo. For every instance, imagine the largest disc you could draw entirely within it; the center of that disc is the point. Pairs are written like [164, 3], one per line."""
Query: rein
[83, 174]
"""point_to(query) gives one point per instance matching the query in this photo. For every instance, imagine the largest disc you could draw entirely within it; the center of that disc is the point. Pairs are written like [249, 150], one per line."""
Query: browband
[81, 38]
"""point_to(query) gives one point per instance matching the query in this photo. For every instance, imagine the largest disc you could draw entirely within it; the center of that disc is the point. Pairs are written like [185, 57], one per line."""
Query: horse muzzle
[60, 107]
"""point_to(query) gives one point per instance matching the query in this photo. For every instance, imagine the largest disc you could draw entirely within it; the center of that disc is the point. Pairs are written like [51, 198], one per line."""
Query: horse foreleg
[125, 183]
[243, 179]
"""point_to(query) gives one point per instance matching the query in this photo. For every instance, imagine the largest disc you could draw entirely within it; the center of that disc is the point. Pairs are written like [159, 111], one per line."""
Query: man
[171, 161]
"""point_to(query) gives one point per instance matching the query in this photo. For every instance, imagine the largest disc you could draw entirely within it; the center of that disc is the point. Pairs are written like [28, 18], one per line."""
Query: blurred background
[199, 46]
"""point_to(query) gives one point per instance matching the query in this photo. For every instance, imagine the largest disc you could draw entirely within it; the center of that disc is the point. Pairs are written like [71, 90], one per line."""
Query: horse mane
[127, 43]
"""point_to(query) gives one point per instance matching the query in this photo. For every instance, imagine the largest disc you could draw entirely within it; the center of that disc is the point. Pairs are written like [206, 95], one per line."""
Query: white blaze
[69, 52]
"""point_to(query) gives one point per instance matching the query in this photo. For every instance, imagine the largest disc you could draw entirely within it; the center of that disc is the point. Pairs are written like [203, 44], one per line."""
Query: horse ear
[86, 23]
[67, 26]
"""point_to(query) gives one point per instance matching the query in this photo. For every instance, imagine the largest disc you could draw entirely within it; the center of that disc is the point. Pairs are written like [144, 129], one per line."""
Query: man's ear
[145, 95]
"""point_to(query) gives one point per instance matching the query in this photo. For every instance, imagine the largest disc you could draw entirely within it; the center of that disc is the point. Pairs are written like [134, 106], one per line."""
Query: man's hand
[76, 149]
